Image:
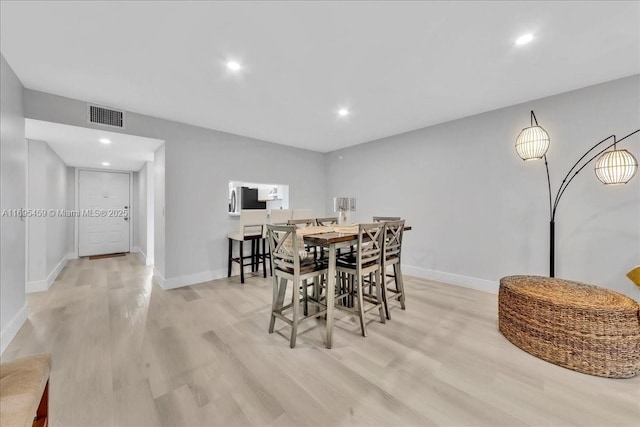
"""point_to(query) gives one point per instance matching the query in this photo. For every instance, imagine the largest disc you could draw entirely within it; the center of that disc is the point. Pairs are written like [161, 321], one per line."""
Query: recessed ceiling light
[524, 39]
[105, 163]
[233, 66]
[343, 112]
[105, 141]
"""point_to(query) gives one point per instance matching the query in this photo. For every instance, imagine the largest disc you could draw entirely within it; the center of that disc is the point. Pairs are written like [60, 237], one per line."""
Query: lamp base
[343, 217]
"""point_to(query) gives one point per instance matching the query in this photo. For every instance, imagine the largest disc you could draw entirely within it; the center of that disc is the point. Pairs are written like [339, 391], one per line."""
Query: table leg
[331, 292]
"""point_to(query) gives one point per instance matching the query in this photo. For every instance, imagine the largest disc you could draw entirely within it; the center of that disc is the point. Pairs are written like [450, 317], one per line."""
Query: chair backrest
[279, 216]
[301, 214]
[393, 239]
[283, 245]
[301, 223]
[252, 221]
[370, 242]
[327, 221]
[386, 218]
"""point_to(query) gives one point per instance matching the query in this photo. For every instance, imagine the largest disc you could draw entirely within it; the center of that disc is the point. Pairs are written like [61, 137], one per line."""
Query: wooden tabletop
[324, 239]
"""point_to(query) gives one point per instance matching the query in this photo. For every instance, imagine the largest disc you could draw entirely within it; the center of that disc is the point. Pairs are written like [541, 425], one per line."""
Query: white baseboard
[142, 256]
[452, 279]
[44, 285]
[191, 279]
[11, 330]
[72, 255]
[36, 286]
[158, 278]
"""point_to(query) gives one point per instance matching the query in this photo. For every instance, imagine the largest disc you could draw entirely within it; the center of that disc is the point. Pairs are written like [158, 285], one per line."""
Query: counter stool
[352, 269]
[392, 249]
[292, 264]
[251, 228]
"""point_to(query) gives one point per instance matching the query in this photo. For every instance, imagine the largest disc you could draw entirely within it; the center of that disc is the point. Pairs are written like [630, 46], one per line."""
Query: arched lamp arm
[546, 165]
[564, 186]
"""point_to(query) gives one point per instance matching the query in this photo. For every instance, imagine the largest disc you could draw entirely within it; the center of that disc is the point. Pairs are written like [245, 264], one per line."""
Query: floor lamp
[617, 166]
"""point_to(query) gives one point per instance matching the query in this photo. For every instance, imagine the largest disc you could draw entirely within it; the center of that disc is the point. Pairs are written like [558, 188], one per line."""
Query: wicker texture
[581, 327]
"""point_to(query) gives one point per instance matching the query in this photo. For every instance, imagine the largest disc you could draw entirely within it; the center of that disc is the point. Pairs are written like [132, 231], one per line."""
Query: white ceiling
[81, 147]
[398, 66]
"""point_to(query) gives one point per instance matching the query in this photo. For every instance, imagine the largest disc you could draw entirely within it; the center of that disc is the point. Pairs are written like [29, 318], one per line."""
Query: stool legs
[241, 263]
[230, 257]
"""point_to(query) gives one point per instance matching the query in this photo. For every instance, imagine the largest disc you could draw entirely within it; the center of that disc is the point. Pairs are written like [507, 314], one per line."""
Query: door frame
[76, 222]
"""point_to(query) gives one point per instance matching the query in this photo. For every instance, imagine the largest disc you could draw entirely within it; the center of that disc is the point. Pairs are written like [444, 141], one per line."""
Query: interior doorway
[104, 200]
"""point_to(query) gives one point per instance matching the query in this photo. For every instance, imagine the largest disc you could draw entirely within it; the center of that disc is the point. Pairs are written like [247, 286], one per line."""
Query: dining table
[333, 238]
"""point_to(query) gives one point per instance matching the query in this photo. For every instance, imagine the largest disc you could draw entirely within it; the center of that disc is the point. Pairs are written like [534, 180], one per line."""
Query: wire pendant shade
[344, 204]
[532, 143]
[616, 167]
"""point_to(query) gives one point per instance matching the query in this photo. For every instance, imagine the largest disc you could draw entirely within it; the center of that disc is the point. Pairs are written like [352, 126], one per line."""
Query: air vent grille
[105, 116]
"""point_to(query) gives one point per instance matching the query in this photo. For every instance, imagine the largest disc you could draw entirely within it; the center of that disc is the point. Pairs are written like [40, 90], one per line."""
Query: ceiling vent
[105, 116]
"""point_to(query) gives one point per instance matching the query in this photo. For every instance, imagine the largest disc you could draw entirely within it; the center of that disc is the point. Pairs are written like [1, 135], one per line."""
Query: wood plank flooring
[127, 353]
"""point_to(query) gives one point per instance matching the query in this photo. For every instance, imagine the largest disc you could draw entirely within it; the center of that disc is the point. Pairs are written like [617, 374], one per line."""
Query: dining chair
[280, 216]
[386, 218]
[332, 220]
[392, 249]
[250, 228]
[352, 269]
[292, 264]
[301, 213]
[302, 222]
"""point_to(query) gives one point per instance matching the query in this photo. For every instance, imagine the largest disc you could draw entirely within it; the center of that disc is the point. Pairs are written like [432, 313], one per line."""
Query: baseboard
[11, 329]
[36, 286]
[142, 256]
[158, 278]
[191, 279]
[44, 285]
[72, 255]
[452, 279]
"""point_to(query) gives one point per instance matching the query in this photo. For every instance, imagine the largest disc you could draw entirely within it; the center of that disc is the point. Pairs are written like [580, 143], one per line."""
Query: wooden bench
[581, 327]
[24, 391]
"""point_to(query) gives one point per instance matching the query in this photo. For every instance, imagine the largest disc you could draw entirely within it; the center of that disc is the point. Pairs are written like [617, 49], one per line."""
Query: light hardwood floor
[127, 353]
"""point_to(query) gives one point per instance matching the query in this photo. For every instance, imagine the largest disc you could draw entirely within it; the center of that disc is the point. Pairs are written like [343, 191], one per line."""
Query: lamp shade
[532, 143]
[616, 167]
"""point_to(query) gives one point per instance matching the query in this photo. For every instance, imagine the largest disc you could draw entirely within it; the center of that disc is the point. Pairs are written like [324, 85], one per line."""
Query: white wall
[159, 217]
[49, 237]
[480, 213]
[13, 189]
[71, 205]
[191, 174]
[143, 214]
[36, 227]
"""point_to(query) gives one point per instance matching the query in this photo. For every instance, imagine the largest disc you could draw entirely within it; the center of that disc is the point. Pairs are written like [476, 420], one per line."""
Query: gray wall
[49, 236]
[13, 189]
[193, 168]
[480, 213]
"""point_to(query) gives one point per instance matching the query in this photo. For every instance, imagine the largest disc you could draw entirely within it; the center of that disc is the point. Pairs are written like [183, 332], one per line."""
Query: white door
[103, 200]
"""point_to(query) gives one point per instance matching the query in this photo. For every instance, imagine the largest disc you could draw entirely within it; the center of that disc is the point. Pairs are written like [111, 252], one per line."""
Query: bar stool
[353, 267]
[251, 228]
[392, 249]
[277, 217]
[293, 264]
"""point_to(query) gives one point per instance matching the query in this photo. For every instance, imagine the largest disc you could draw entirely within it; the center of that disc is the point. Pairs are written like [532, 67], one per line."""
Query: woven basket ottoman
[581, 327]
